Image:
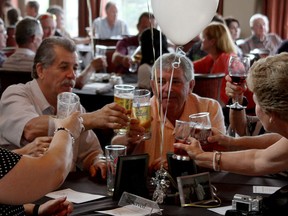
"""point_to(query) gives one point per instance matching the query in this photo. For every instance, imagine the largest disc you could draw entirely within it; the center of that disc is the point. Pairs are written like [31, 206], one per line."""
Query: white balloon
[182, 20]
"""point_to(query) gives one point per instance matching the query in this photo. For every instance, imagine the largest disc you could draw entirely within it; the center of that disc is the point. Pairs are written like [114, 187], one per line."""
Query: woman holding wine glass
[238, 69]
[218, 43]
[267, 80]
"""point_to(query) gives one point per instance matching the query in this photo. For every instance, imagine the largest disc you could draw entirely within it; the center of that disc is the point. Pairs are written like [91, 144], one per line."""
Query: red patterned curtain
[276, 10]
[84, 14]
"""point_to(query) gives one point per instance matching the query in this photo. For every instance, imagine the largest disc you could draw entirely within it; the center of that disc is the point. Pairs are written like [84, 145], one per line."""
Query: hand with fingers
[36, 148]
[233, 90]
[111, 116]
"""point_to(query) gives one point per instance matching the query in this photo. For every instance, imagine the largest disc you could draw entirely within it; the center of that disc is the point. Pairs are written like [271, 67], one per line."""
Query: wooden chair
[105, 42]
[208, 85]
[8, 78]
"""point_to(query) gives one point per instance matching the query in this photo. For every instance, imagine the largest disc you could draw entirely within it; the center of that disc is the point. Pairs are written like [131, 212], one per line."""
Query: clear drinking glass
[100, 51]
[141, 110]
[201, 126]
[136, 57]
[123, 95]
[67, 103]
[112, 153]
[182, 132]
[238, 70]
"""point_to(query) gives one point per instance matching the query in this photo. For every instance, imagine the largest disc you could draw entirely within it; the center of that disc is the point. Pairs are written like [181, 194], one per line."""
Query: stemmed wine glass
[202, 129]
[201, 126]
[238, 70]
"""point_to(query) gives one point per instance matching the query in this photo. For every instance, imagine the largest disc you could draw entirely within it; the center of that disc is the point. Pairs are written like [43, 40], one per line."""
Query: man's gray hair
[45, 54]
[170, 60]
[25, 29]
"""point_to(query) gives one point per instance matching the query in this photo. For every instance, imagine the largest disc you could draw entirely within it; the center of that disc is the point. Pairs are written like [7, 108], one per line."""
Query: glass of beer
[123, 95]
[181, 132]
[141, 110]
[201, 126]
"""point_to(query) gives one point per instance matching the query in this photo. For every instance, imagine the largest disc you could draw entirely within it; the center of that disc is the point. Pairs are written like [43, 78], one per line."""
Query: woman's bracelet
[35, 210]
[67, 130]
[216, 161]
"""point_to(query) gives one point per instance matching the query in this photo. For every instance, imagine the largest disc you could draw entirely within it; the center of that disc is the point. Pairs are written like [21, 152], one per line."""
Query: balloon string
[163, 123]
[176, 63]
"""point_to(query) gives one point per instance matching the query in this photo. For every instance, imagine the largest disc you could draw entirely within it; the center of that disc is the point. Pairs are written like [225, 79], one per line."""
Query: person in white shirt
[109, 26]
[28, 37]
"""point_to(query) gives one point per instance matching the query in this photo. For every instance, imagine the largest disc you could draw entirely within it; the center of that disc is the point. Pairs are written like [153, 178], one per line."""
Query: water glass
[100, 51]
[67, 103]
[123, 95]
[112, 153]
[141, 110]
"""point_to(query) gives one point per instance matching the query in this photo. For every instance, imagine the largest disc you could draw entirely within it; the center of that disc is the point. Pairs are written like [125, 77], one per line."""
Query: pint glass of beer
[141, 110]
[123, 95]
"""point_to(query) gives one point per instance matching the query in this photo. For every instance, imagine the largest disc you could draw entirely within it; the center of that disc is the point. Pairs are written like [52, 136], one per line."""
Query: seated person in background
[96, 64]
[267, 80]
[217, 42]
[3, 38]
[4, 7]
[195, 52]
[109, 26]
[28, 109]
[13, 16]
[180, 105]
[27, 179]
[121, 57]
[28, 37]
[235, 30]
[32, 8]
[48, 23]
[150, 51]
[60, 28]
[260, 37]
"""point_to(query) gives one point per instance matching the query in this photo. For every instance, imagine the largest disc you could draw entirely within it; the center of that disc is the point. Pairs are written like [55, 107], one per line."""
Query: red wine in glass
[238, 80]
[201, 134]
[238, 71]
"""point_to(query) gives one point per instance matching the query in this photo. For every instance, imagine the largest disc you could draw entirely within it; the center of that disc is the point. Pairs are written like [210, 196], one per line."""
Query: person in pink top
[217, 42]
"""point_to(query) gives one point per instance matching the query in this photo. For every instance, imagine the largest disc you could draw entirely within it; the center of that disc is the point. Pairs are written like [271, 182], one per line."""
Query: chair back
[208, 85]
[8, 78]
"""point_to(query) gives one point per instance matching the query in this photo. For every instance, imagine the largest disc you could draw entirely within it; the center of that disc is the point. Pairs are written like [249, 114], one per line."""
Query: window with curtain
[276, 10]
[44, 4]
[71, 16]
[128, 11]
